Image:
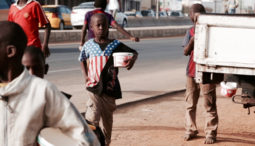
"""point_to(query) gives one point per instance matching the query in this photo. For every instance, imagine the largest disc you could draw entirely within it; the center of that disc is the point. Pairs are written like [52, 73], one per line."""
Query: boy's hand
[189, 47]
[86, 79]
[130, 62]
[134, 39]
[80, 47]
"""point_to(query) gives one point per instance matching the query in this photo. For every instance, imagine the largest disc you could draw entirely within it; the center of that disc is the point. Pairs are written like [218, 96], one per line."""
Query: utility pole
[241, 6]
[157, 10]
[215, 6]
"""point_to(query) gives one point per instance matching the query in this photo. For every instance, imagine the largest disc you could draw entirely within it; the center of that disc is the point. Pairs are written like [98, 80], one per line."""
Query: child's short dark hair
[100, 4]
[12, 34]
[100, 16]
[198, 8]
[34, 51]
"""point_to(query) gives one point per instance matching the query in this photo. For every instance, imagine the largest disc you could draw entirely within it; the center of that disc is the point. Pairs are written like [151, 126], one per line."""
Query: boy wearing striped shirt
[101, 76]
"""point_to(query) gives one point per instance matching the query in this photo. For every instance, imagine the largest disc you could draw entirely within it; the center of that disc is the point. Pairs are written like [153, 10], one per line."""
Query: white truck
[225, 45]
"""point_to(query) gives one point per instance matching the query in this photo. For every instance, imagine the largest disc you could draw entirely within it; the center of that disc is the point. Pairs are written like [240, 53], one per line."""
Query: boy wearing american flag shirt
[101, 76]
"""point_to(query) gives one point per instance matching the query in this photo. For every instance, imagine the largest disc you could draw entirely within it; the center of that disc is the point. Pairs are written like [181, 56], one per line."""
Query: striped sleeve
[39, 13]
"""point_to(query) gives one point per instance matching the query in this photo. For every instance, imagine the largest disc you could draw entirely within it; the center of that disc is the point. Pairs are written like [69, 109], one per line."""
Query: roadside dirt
[160, 122]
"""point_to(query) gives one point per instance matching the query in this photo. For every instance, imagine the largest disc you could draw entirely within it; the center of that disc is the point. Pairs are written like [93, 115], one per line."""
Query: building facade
[129, 5]
[217, 6]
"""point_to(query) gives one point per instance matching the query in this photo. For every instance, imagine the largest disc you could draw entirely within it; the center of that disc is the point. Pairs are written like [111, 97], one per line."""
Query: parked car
[133, 14]
[176, 13]
[4, 9]
[120, 18]
[130, 13]
[146, 13]
[138, 14]
[58, 15]
[163, 14]
[79, 12]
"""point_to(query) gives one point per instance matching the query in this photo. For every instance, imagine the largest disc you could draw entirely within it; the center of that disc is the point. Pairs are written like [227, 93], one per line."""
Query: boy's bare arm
[45, 47]
[84, 68]
[83, 34]
[188, 48]
[119, 4]
[124, 32]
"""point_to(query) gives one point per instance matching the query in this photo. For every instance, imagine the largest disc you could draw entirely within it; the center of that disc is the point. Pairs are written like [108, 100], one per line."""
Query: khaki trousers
[101, 107]
[211, 116]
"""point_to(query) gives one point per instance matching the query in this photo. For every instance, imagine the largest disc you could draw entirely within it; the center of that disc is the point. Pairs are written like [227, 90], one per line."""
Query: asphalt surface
[160, 69]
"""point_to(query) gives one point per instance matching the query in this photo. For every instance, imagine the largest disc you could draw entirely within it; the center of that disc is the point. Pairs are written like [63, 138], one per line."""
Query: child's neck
[22, 2]
[102, 40]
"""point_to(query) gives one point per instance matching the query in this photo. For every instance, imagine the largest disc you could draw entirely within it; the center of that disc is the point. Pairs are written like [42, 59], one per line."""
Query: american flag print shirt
[97, 59]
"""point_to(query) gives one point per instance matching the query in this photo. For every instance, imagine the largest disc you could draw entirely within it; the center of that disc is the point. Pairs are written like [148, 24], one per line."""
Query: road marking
[64, 70]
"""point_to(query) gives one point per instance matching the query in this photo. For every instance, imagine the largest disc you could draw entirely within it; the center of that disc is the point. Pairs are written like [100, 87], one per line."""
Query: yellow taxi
[58, 15]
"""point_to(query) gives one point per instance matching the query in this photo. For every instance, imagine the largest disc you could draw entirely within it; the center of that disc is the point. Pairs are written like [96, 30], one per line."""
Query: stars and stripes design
[97, 59]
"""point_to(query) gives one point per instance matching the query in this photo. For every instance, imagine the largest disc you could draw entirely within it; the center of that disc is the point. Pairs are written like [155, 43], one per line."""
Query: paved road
[160, 68]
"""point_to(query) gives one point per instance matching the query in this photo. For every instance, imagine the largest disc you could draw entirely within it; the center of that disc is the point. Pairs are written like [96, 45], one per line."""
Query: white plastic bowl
[228, 89]
[120, 59]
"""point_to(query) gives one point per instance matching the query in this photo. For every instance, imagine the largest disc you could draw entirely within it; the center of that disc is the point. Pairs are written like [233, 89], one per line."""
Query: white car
[79, 12]
[120, 18]
[175, 13]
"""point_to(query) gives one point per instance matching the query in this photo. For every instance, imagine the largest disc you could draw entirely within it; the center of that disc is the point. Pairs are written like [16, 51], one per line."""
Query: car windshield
[52, 10]
[87, 5]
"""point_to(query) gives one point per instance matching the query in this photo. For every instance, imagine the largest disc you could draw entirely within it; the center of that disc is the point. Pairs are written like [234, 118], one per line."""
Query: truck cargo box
[224, 44]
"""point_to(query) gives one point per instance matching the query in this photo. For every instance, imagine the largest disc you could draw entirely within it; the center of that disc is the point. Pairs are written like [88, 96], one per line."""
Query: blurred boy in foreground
[29, 103]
